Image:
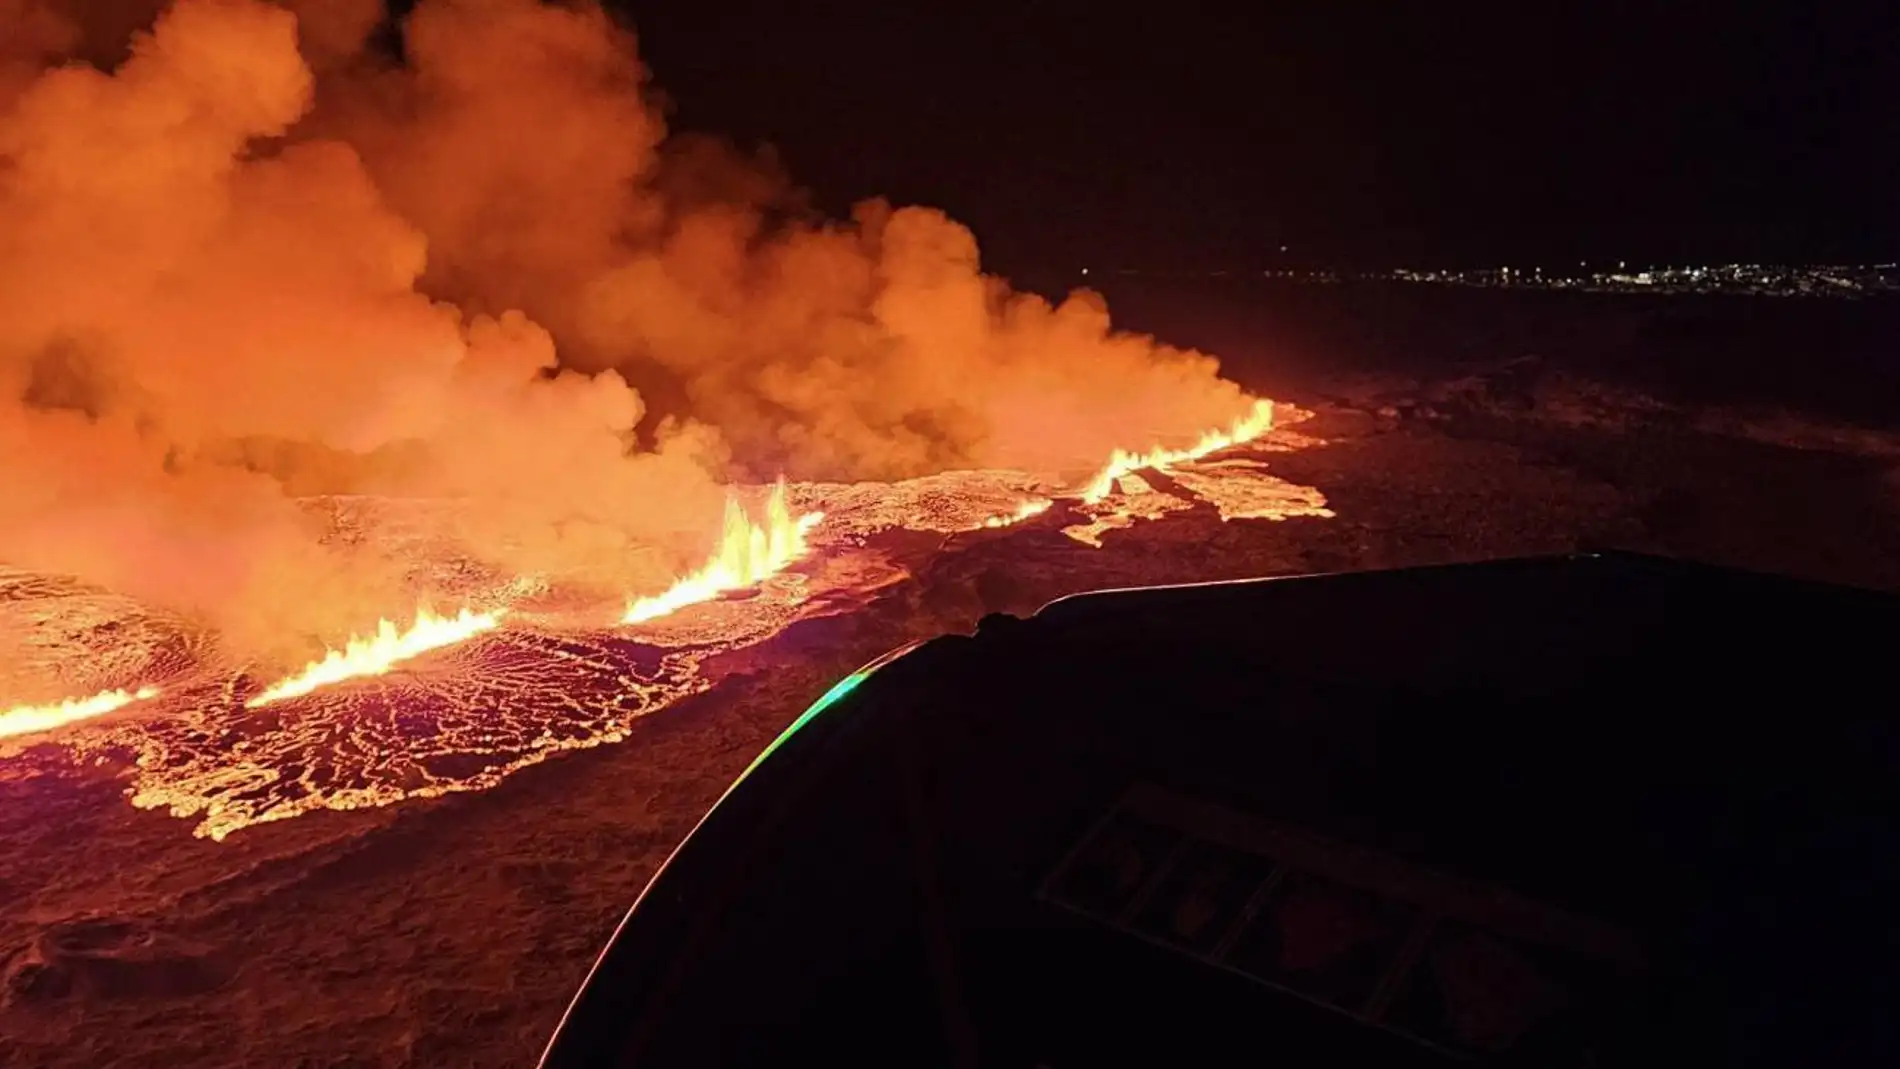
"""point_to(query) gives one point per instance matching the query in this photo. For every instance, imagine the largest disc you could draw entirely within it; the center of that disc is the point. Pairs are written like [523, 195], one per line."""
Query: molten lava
[525, 694]
[32, 719]
[748, 554]
[1245, 429]
[377, 654]
[1026, 510]
[275, 180]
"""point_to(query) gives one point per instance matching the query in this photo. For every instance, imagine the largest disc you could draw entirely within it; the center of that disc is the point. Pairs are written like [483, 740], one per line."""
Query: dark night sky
[1181, 136]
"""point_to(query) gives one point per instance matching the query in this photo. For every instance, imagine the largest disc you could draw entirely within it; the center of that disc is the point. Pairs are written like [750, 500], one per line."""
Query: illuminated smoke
[254, 262]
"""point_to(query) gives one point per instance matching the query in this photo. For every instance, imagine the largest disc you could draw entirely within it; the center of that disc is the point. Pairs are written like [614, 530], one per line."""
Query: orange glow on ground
[1246, 429]
[33, 719]
[748, 553]
[545, 681]
[378, 653]
[301, 304]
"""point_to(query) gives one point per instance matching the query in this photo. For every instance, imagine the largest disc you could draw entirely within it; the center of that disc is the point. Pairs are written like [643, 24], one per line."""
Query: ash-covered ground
[450, 928]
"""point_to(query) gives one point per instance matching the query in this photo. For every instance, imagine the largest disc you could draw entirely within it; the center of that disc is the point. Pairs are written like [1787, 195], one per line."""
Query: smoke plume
[247, 258]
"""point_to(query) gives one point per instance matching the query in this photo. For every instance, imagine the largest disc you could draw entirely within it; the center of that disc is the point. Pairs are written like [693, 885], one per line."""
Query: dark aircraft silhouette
[1585, 811]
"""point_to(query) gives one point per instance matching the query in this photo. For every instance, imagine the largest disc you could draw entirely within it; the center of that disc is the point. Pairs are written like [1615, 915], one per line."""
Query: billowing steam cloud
[254, 260]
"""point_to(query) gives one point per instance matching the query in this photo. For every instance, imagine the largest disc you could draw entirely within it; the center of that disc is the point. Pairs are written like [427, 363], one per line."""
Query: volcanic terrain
[428, 481]
[453, 867]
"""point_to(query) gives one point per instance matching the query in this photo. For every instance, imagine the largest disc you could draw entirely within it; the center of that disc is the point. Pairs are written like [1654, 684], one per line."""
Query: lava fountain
[748, 554]
[268, 242]
[376, 654]
[33, 719]
[1025, 511]
[1245, 429]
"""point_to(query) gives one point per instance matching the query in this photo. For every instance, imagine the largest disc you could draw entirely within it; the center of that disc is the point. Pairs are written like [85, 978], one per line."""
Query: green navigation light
[825, 701]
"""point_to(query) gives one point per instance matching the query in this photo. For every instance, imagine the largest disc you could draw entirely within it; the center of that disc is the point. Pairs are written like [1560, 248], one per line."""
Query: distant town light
[1842, 280]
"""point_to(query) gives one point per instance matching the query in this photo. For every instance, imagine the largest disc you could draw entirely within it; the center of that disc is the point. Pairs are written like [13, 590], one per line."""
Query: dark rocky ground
[452, 932]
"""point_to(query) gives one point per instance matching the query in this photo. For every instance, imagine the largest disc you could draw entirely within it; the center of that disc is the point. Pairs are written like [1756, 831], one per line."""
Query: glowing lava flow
[748, 553]
[32, 719]
[1023, 512]
[1245, 429]
[377, 654]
